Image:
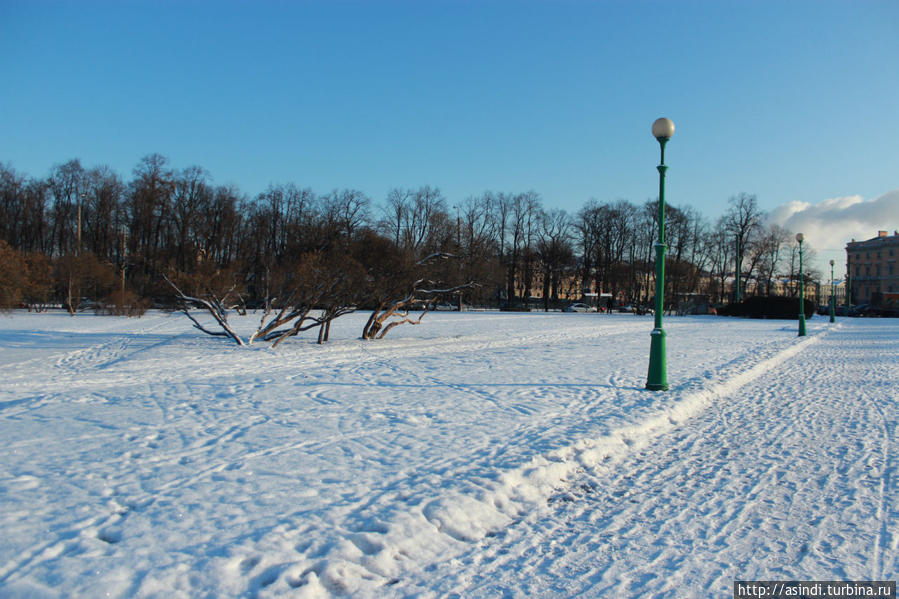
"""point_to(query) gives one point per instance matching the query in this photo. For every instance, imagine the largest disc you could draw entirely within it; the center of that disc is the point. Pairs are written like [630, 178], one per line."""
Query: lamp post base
[801, 325]
[657, 379]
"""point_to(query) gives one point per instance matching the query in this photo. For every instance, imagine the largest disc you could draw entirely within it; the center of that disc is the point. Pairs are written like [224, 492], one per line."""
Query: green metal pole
[833, 297]
[657, 378]
[801, 296]
[737, 296]
[848, 290]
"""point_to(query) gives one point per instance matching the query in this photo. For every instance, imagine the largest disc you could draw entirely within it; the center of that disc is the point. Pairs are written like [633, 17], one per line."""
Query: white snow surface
[475, 455]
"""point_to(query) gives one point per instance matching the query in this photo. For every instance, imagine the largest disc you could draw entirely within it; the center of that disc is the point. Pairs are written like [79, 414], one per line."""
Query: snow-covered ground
[475, 455]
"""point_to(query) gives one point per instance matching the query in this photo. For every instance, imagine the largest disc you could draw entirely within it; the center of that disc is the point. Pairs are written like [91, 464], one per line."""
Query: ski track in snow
[495, 455]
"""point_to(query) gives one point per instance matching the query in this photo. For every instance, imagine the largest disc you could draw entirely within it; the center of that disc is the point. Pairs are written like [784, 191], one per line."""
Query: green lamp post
[657, 379]
[848, 289]
[799, 238]
[737, 268]
[833, 297]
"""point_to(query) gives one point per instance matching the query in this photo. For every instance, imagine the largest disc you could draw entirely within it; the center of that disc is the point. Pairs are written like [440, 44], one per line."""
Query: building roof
[882, 237]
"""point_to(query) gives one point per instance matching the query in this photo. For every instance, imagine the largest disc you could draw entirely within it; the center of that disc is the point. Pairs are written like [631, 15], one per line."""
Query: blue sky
[793, 101]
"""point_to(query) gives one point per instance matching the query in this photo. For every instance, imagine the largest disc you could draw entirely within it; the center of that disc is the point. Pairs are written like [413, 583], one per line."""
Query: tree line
[86, 234]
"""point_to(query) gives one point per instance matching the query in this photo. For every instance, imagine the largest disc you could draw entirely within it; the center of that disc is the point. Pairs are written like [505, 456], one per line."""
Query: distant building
[872, 268]
[839, 289]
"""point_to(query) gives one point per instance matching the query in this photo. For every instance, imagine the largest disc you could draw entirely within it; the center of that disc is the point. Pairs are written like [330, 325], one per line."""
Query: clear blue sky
[790, 100]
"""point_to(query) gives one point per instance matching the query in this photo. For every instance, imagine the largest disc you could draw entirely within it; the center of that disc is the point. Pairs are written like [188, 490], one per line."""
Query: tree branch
[213, 307]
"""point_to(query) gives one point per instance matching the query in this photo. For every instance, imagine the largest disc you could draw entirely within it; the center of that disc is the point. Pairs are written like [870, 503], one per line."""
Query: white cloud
[829, 225]
[834, 222]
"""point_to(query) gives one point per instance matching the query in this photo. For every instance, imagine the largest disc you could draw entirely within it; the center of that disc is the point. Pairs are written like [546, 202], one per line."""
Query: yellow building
[872, 268]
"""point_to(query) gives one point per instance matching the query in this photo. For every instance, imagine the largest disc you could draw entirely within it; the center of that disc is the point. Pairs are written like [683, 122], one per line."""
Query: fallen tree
[397, 297]
[391, 314]
[319, 290]
[213, 304]
[323, 286]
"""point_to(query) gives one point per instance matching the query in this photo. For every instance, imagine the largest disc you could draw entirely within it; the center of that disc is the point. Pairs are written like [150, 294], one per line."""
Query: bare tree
[614, 233]
[190, 194]
[344, 213]
[413, 217]
[217, 306]
[395, 210]
[80, 276]
[317, 294]
[770, 255]
[219, 232]
[175, 220]
[66, 185]
[809, 272]
[104, 216]
[12, 206]
[310, 286]
[584, 227]
[698, 254]
[642, 257]
[150, 202]
[533, 209]
[721, 248]
[13, 276]
[474, 239]
[398, 283]
[517, 219]
[555, 252]
[743, 221]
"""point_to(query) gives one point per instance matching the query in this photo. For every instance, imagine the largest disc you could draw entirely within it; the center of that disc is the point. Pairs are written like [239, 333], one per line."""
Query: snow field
[783, 480]
[473, 455]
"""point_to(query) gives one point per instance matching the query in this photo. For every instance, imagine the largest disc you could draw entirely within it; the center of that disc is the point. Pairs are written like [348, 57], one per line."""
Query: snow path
[478, 454]
[766, 484]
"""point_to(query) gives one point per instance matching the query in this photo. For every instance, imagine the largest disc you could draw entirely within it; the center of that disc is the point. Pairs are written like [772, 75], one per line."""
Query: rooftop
[882, 237]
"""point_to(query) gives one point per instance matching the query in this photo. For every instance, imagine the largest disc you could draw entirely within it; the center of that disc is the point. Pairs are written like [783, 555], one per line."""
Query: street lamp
[657, 379]
[80, 203]
[848, 288]
[799, 238]
[833, 297]
[124, 256]
[737, 269]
